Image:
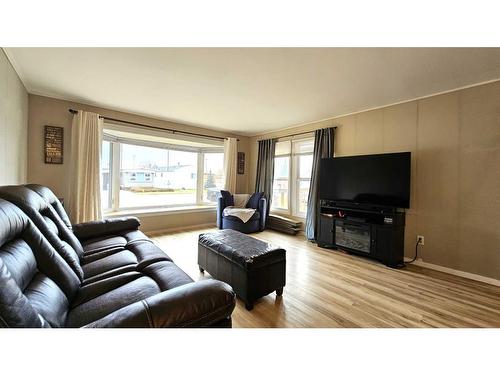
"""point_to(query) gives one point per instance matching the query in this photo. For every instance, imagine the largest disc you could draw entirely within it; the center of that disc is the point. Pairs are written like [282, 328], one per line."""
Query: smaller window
[303, 150]
[292, 176]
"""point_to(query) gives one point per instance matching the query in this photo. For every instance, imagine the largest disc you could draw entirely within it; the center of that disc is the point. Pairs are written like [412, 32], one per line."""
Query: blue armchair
[257, 222]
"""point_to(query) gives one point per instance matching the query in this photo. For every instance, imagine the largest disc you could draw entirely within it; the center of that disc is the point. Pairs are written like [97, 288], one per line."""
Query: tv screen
[381, 180]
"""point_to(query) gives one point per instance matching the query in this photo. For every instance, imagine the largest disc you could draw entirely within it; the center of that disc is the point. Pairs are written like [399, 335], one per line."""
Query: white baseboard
[451, 271]
[178, 229]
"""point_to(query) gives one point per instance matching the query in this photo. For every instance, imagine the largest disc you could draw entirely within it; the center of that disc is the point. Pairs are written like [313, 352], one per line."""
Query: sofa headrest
[22, 196]
[12, 222]
[36, 284]
[49, 197]
[48, 222]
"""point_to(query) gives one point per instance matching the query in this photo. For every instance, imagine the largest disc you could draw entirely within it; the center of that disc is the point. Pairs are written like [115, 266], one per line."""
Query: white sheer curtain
[230, 164]
[85, 175]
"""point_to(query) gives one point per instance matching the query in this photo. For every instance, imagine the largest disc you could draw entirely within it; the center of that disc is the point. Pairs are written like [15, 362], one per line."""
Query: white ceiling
[249, 90]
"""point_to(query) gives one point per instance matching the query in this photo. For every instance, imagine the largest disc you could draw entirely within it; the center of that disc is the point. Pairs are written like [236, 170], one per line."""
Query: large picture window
[143, 171]
[292, 176]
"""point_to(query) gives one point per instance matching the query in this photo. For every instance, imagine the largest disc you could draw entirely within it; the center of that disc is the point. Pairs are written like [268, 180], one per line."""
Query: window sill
[161, 211]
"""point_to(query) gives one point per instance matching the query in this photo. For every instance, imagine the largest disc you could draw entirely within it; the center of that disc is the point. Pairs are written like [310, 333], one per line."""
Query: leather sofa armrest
[263, 213]
[98, 228]
[220, 208]
[198, 304]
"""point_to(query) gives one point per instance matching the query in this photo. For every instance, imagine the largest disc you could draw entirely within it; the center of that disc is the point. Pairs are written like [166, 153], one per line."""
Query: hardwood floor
[327, 288]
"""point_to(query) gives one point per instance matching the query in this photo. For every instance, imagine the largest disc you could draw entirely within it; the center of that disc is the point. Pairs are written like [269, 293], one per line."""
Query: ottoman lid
[242, 249]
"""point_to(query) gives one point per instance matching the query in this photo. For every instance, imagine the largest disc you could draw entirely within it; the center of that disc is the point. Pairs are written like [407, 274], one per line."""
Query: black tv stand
[371, 231]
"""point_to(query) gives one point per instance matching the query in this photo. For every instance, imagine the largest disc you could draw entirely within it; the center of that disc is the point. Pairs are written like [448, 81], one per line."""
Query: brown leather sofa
[97, 274]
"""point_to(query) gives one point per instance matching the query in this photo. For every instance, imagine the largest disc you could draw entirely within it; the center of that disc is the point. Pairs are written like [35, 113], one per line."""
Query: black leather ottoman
[252, 267]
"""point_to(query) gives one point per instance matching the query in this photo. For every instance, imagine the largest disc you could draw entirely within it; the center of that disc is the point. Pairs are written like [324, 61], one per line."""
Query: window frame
[200, 188]
[278, 209]
[294, 178]
[116, 150]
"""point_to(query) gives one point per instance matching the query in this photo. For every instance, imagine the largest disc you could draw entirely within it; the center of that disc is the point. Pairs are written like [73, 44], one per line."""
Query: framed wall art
[241, 163]
[54, 144]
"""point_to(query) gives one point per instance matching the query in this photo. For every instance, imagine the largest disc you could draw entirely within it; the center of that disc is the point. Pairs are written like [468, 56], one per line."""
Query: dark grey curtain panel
[265, 169]
[323, 148]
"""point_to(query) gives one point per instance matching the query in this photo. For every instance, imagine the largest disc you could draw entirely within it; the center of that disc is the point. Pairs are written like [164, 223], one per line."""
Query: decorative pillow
[228, 198]
[253, 202]
[241, 200]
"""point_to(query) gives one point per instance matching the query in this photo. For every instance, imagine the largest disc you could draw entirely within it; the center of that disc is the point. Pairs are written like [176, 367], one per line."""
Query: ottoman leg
[279, 291]
[201, 269]
[249, 305]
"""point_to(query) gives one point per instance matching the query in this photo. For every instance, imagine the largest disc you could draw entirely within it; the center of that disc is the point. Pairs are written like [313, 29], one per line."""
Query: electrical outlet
[420, 240]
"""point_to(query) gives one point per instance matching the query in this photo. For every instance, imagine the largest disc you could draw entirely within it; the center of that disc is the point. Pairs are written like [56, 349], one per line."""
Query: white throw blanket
[242, 213]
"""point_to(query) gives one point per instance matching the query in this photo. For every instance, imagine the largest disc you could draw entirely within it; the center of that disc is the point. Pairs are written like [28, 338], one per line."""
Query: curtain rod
[174, 131]
[295, 134]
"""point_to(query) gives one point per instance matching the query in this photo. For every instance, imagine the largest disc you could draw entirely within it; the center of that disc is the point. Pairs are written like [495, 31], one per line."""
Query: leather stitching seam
[148, 313]
[205, 315]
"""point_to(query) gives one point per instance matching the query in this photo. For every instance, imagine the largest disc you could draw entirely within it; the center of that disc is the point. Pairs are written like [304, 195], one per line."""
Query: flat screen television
[378, 180]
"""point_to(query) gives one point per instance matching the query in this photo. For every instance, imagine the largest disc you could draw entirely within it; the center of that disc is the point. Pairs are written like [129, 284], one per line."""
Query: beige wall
[455, 189]
[13, 125]
[48, 111]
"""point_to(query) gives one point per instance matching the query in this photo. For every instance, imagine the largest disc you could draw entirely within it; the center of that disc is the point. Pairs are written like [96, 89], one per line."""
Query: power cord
[416, 252]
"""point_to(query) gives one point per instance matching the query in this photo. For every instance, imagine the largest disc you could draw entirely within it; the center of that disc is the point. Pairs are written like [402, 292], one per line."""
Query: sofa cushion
[48, 300]
[228, 198]
[100, 306]
[254, 200]
[117, 260]
[115, 271]
[147, 253]
[241, 200]
[195, 305]
[100, 287]
[155, 278]
[97, 245]
[167, 275]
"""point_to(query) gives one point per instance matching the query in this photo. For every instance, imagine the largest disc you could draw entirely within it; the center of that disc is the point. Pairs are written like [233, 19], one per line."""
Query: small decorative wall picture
[241, 163]
[54, 144]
